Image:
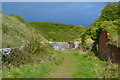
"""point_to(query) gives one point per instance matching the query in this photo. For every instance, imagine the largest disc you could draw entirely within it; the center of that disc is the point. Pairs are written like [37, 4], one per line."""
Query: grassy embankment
[35, 70]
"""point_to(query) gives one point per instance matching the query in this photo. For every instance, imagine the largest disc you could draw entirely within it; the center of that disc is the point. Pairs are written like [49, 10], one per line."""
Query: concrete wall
[64, 45]
[59, 45]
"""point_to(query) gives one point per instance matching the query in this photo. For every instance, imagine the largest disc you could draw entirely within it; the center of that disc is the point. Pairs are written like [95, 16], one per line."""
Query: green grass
[93, 67]
[65, 65]
[18, 33]
[87, 66]
[57, 31]
[29, 71]
[77, 65]
[35, 70]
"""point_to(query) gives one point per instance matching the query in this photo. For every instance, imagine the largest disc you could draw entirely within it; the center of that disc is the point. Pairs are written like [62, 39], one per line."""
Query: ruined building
[107, 51]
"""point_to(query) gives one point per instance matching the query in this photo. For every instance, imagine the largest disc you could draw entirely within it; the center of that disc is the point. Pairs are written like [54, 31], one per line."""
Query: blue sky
[76, 13]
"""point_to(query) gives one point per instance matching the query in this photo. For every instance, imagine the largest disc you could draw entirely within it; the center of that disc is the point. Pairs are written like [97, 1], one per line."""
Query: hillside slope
[17, 33]
[57, 31]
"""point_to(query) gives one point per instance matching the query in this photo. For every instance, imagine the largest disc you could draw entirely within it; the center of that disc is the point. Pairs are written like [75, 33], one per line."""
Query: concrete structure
[59, 45]
[64, 45]
[7, 51]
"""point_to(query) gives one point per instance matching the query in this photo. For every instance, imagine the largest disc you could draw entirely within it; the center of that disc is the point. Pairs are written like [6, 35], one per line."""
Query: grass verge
[92, 67]
[36, 70]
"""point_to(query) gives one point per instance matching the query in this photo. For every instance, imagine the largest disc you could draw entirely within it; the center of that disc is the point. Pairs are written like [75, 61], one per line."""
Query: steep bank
[15, 33]
[18, 33]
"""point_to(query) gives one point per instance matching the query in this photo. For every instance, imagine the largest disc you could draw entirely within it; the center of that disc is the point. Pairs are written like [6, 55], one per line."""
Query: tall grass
[92, 67]
[36, 69]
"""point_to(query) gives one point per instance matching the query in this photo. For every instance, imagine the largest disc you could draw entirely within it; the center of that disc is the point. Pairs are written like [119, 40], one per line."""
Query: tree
[110, 12]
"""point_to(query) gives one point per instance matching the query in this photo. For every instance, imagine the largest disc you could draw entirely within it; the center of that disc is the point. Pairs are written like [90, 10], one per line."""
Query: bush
[111, 70]
[35, 52]
[17, 58]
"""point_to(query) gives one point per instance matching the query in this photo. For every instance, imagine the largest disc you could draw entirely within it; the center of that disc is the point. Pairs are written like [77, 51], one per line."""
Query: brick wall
[107, 51]
[115, 53]
[71, 45]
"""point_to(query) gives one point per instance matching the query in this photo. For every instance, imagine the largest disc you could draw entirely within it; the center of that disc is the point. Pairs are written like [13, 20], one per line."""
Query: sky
[75, 13]
[60, 0]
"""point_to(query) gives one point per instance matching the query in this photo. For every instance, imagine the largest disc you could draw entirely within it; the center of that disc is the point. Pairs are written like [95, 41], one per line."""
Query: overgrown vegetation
[39, 66]
[91, 66]
[84, 66]
[110, 12]
[16, 32]
[109, 21]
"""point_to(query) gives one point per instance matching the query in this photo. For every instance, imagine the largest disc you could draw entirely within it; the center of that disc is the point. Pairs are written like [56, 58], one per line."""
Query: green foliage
[17, 33]
[57, 31]
[110, 12]
[110, 70]
[91, 32]
[4, 29]
[113, 28]
[85, 65]
[35, 52]
[18, 17]
[17, 59]
[90, 54]
[36, 47]
[110, 21]
[39, 69]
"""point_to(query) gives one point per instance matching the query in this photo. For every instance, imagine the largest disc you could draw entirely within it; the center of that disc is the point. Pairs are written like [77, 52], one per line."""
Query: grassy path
[67, 69]
[77, 66]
